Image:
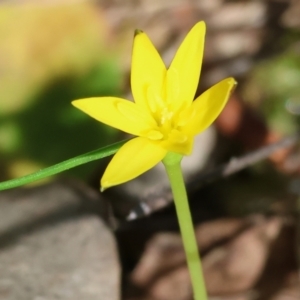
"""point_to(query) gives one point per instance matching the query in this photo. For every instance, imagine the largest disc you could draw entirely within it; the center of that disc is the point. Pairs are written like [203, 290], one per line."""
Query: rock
[53, 245]
[238, 15]
[235, 252]
[291, 16]
[236, 266]
[164, 252]
[291, 290]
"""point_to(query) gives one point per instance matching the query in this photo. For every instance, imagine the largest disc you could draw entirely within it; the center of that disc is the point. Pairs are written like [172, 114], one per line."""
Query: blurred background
[52, 52]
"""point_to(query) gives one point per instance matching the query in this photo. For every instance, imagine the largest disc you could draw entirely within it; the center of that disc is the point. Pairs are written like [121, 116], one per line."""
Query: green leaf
[63, 166]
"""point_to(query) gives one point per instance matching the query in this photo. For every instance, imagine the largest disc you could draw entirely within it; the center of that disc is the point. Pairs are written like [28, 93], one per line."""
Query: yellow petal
[147, 70]
[118, 113]
[184, 72]
[134, 158]
[208, 106]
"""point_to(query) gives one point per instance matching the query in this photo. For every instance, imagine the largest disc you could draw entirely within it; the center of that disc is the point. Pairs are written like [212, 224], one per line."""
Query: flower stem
[172, 165]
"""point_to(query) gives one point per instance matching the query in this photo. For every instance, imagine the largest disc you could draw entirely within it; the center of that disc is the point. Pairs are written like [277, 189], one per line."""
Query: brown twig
[161, 198]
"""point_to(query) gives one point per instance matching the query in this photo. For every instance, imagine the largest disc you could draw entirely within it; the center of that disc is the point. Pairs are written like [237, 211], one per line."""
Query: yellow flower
[164, 116]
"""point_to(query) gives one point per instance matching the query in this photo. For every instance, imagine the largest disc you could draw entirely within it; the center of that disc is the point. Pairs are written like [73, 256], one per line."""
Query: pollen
[165, 116]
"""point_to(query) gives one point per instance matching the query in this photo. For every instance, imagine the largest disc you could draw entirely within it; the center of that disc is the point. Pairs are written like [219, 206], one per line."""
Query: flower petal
[208, 106]
[184, 72]
[118, 113]
[134, 158]
[147, 69]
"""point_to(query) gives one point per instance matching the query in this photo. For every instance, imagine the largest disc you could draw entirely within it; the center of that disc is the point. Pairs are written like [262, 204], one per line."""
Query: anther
[154, 135]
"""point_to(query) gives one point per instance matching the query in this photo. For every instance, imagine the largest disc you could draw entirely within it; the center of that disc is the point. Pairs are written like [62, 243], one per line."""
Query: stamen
[155, 135]
[165, 116]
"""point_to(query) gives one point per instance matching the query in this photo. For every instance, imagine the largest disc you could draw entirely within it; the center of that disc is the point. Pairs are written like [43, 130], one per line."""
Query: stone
[234, 256]
[236, 266]
[291, 288]
[54, 244]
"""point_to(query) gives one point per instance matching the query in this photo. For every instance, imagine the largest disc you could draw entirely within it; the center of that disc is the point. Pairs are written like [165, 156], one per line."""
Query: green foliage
[274, 88]
[51, 130]
[50, 57]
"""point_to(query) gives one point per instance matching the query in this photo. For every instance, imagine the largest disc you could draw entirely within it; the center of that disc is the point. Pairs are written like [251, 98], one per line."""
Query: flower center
[167, 128]
[168, 122]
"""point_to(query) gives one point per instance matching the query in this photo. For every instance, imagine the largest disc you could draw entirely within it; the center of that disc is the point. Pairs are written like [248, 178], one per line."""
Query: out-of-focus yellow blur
[51, 54]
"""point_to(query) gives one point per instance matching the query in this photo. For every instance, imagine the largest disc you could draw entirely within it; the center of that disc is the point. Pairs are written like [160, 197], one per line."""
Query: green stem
[172, 165]
[63, 166]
